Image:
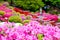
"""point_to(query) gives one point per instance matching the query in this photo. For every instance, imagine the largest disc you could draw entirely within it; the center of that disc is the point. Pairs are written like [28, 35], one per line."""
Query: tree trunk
[11, 3]
[5, 0]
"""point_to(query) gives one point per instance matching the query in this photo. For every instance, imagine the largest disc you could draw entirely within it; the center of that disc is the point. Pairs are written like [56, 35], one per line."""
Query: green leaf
[40, 36]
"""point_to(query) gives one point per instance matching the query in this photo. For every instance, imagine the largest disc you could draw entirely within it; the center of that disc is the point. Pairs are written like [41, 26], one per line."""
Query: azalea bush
[23, 15]
[6, 10]
[31, 31]
[5, 13]
[51, 17]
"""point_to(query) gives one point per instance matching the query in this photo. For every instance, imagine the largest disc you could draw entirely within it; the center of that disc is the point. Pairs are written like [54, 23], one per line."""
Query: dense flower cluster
[9, 31]
[48, 16]
[51, 17]
[36, 15]
[21, 30]
[8, 12]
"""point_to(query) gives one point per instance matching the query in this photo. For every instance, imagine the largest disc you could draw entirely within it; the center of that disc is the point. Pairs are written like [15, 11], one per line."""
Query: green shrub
[52, 11]
[15, 19]
[1, 0]
[26, 21]
[40, 36]
[55, 12]
[32, 5]
[2, 13]
[58, 20]
[54, 2]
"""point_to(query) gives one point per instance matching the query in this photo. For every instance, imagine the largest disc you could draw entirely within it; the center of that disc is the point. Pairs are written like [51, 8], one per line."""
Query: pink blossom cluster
[8, 12]
[48, 16]
[8, 31]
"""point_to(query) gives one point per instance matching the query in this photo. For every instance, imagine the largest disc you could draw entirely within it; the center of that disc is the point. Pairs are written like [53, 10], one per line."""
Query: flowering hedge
[6, 15]
[31, 31]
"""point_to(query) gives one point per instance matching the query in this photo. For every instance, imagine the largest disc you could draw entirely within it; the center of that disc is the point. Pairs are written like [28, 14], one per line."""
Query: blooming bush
[47, 16]
[7, 11]
[32, 31]
[51, 17]
[24, 15]
[30, 15]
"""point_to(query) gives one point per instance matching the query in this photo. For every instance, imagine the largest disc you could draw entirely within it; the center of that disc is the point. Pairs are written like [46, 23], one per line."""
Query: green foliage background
[31, 5]
[54, 2]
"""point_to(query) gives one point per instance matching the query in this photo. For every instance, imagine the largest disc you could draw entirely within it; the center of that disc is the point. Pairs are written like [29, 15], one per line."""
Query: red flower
[22, 11]
[34, 16]
[18, 10]
[45, 18]
[26, 13]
